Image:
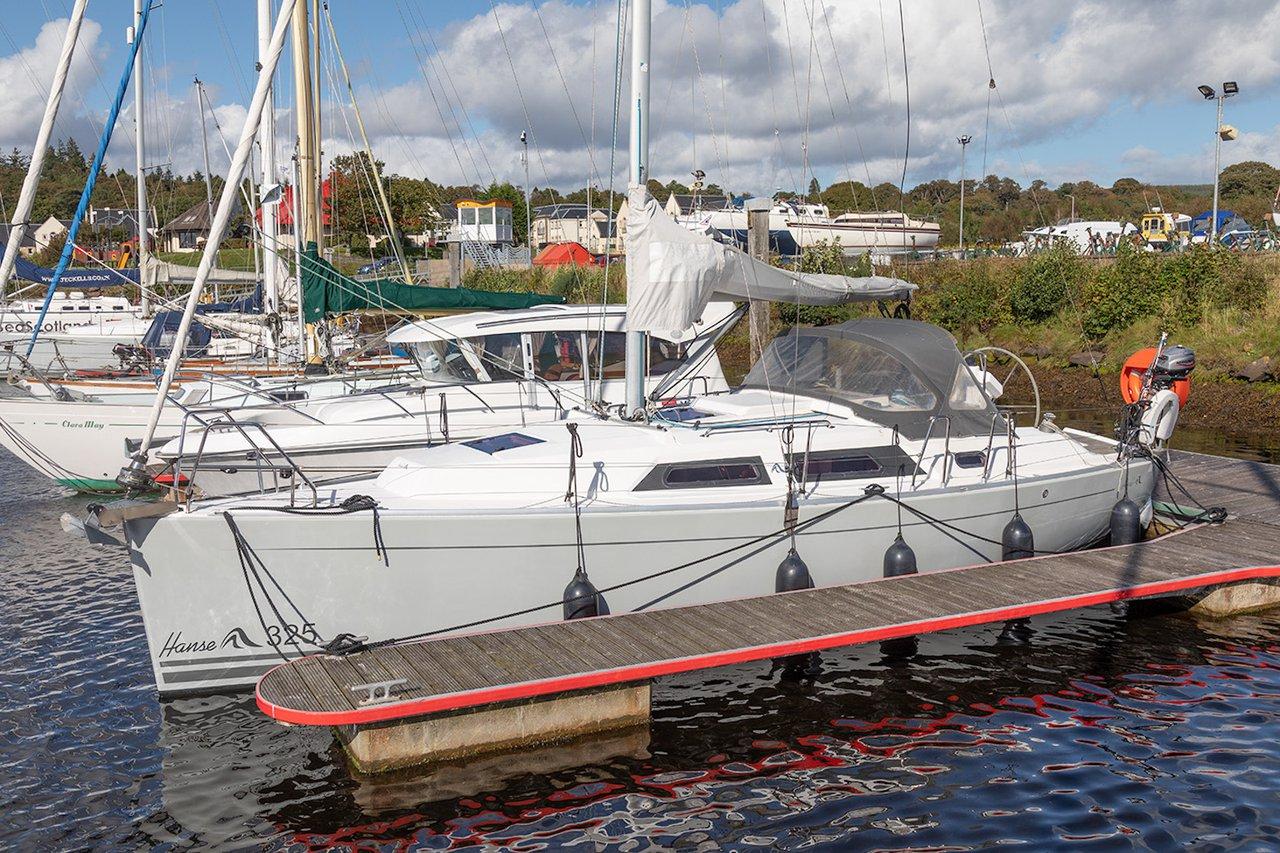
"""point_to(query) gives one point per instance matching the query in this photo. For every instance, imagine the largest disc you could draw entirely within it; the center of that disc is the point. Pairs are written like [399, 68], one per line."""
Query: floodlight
[1207, 91]
[1230, 88]
[964, 140]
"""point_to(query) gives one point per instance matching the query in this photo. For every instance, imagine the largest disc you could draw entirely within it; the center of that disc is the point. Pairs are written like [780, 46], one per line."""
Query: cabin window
[501, 356]
[559, 355]
[498, 443]
[971, 459]
[615, 354]
[486, 216]
[706, 474]
[443, 360]
[664, 356]
[468, 215]
[853, 464]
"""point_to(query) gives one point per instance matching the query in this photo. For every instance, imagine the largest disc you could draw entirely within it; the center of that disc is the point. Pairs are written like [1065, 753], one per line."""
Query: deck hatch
[706, 474]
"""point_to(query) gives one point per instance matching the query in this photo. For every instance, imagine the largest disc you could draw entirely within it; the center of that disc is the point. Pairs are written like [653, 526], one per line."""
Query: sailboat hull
[217, 618]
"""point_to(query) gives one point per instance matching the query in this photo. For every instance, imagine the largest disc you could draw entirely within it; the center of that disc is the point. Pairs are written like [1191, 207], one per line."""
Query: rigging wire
[906, 84]
[707, 105]
[425, 62]
[443, 71]
[431, 89]
[835, 53]
[555, 61]
[524, 107]
[991, 87]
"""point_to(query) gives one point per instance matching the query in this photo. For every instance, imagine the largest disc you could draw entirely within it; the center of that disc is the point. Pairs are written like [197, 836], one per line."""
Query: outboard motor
[1158, 380]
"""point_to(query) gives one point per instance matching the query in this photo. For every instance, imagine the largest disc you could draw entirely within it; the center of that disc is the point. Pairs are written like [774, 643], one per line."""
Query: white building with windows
[593, 228]
[484, 222]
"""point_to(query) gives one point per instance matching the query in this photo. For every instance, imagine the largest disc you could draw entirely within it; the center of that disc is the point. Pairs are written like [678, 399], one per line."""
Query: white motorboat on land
[480, 373]
[795, 226]
[1085, 237]
[462, 534]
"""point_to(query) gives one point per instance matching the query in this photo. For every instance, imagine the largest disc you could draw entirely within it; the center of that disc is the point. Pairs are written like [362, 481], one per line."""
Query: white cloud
[768, 87]
[26, 75]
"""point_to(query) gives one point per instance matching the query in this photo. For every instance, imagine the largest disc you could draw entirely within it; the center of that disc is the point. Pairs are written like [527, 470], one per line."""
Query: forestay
[672, 273]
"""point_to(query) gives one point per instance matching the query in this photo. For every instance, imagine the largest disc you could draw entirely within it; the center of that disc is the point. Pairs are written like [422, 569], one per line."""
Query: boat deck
[469, 671]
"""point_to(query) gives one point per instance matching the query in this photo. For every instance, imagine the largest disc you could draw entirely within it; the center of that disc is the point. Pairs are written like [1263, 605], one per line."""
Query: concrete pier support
[398, 744]
[1235, 598]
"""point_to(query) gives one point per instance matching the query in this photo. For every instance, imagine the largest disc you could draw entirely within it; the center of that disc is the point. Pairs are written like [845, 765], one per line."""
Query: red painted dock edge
[602, 678]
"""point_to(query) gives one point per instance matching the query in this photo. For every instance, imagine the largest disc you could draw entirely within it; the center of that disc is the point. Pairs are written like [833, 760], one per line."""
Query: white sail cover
[672, 273]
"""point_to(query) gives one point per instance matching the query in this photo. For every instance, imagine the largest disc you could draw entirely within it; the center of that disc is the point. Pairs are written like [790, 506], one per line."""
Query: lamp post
[1220, 132]
[528, 219]
[964, 144]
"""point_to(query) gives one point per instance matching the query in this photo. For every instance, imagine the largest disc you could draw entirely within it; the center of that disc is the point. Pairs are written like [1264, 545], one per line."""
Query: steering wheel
[1035, 388]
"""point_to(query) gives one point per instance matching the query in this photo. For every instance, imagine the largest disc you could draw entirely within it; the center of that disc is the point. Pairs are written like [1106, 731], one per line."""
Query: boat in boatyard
[480, 373]
[795, 226]
[476, 529]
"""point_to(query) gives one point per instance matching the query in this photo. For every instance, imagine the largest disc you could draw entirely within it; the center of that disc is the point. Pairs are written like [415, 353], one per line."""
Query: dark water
[1105, 732]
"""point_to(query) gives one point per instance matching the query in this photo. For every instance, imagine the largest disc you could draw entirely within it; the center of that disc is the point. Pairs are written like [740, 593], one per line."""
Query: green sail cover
[326, 291]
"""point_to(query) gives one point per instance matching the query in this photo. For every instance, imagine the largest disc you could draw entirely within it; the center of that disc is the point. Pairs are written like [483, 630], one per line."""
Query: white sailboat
[700, 501]
[479, 373]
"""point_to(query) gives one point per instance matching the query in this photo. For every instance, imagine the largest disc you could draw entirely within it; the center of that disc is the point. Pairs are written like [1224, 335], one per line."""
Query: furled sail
[672, 273]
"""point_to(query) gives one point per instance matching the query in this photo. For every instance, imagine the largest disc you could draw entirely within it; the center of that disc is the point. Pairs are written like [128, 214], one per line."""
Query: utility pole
[140, 166]
[528, 219]
[964, 144]
[1221, 132]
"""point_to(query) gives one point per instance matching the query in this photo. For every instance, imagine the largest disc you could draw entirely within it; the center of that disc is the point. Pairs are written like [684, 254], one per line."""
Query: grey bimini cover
[672, 273]
[897, 373]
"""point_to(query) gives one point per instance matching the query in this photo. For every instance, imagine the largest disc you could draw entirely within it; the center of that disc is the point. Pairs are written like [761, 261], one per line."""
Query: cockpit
[897, 373]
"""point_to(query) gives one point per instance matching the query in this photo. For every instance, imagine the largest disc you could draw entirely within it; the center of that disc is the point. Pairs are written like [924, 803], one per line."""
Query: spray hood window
[896, 373]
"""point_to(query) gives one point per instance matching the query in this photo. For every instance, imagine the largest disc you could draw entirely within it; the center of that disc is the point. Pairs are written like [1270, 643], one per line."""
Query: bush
[1044, 284]
[964, 297]
[1120, 293]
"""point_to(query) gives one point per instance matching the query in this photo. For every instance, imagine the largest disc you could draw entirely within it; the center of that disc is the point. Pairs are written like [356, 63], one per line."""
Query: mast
[308, 145]
[27, 198]
[204, 143]
[267, 142]
[638, 176]
[134, 475]
[140, 164]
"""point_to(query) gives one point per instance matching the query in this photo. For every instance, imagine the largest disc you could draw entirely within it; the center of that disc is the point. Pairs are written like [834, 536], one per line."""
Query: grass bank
[1049, 307]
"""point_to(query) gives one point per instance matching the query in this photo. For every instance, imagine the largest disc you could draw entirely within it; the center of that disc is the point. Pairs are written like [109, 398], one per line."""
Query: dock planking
[469, 671]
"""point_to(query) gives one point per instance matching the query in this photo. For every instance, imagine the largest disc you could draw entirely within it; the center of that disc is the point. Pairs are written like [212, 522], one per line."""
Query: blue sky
[1093, 90]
